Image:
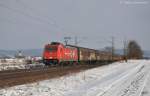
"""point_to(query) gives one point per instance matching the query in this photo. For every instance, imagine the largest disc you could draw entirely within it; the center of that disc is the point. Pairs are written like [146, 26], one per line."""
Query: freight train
[57, 53]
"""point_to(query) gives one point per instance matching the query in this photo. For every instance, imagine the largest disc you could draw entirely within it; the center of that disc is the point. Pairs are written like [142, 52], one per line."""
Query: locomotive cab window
[51, 49]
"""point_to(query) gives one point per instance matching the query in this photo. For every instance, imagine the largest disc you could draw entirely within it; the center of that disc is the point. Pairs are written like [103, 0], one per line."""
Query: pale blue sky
[26, 24]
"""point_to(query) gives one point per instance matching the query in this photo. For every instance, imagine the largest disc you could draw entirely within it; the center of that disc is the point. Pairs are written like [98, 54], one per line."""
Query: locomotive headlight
[50, 57]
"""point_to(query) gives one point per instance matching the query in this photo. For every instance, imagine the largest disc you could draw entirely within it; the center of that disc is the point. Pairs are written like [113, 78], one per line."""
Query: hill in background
[38, 52]
[27, 52]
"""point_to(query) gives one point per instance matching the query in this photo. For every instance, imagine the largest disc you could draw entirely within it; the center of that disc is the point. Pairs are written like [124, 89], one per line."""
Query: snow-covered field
[18, 66]
[117, 79]
[11, 66]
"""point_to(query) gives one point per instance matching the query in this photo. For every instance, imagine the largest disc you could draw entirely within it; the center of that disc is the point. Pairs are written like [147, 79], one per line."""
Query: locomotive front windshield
[51, 49]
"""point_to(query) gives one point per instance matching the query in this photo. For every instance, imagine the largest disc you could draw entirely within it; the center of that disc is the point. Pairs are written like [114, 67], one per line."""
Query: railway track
[24, 76]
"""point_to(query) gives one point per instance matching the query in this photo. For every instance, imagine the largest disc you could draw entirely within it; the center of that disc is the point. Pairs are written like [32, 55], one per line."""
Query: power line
[78, 40]
[23, 13]
[38, 14]
[28, 15]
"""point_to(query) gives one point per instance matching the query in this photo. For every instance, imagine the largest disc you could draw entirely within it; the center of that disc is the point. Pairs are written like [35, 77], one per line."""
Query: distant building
[19, 55]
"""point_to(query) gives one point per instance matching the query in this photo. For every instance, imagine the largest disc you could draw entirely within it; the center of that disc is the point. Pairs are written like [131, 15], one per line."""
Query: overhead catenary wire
[41, 20]
[35, 12]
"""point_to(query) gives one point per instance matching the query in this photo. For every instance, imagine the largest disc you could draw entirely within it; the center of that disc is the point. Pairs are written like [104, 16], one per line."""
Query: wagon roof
[82, 47]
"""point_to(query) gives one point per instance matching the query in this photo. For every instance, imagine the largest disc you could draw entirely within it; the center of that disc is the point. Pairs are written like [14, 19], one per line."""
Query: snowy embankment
[18, 66]
[117, 79]
[11, 66]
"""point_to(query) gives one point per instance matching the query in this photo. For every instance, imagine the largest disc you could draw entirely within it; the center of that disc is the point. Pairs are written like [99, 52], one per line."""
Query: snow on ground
[18, 66]
[132, 85]
[117, 79]
[146, 89]
[11, 66]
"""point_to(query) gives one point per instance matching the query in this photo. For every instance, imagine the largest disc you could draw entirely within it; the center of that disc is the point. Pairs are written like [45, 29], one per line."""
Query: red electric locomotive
[57, 53]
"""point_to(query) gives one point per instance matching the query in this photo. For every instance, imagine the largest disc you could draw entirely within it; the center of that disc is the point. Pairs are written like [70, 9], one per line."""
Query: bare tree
[134, 50]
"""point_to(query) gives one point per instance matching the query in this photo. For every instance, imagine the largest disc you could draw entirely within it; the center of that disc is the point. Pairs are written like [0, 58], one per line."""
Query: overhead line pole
[112, 49]
[76, 40]
[125, 50]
